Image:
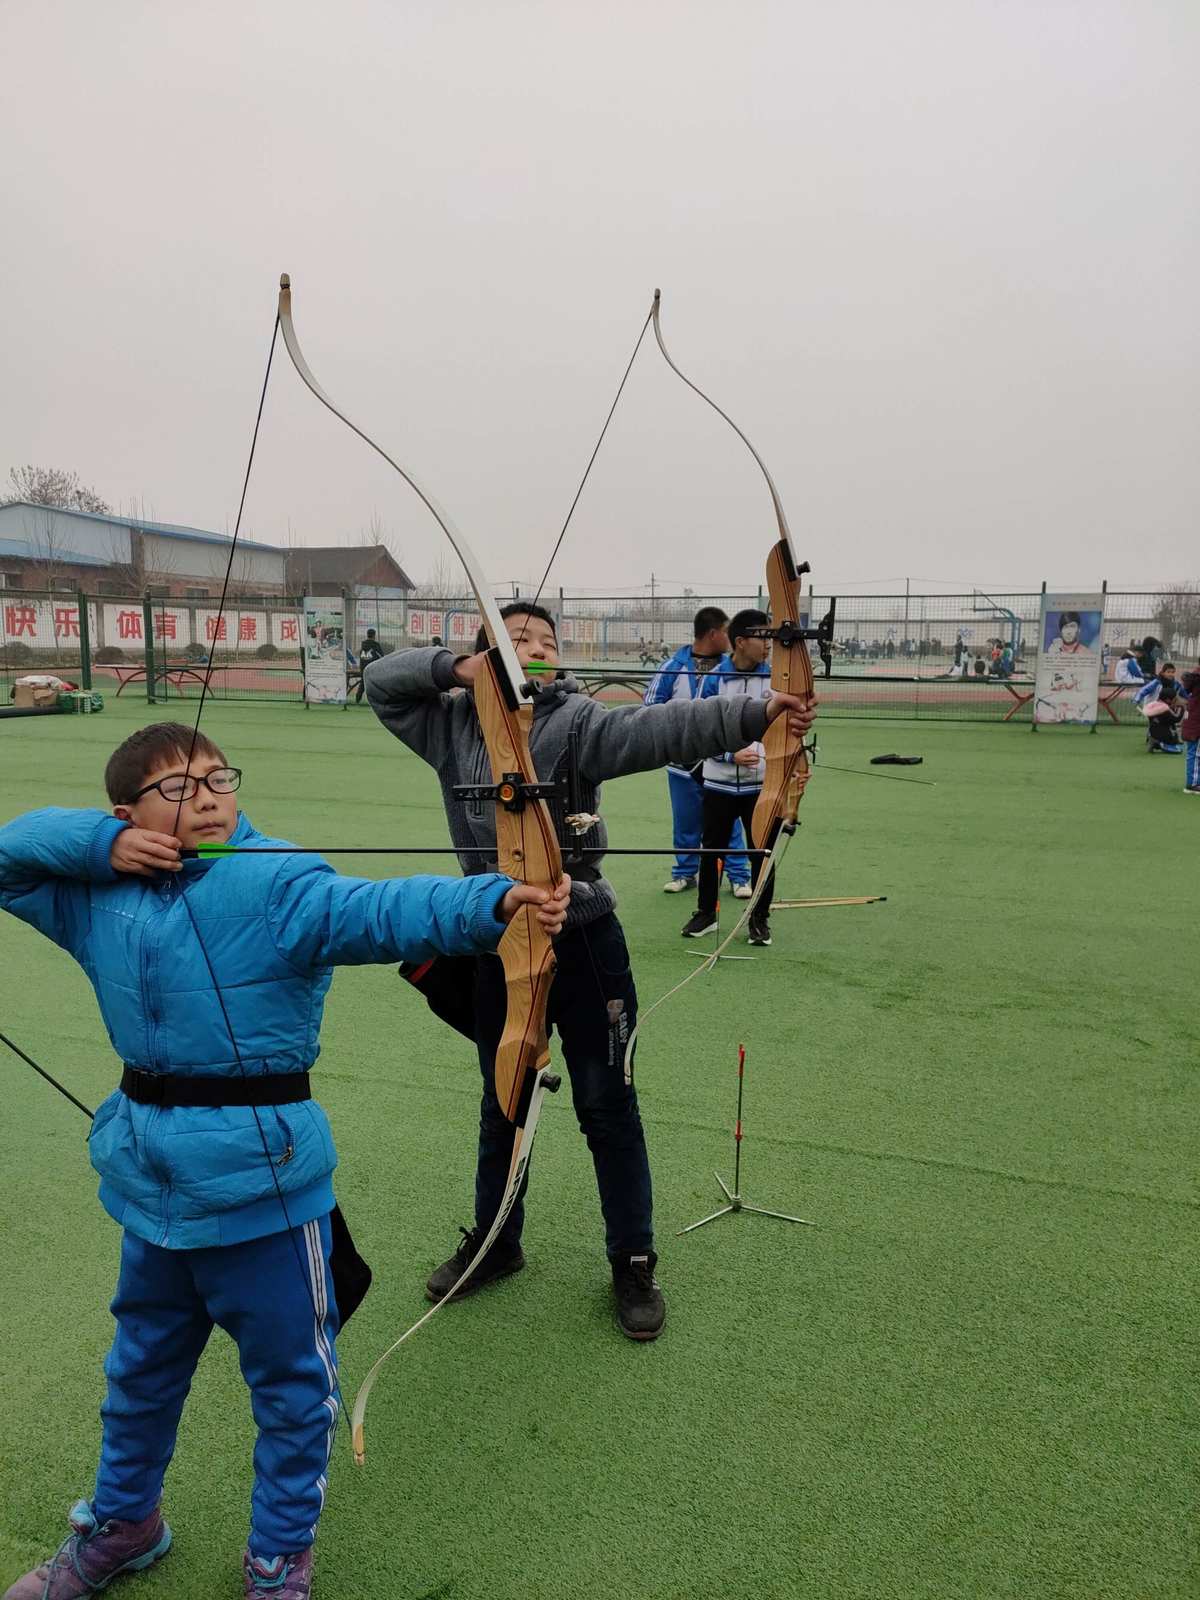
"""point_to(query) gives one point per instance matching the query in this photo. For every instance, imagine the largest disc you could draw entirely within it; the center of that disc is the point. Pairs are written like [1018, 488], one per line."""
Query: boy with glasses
[211, 976]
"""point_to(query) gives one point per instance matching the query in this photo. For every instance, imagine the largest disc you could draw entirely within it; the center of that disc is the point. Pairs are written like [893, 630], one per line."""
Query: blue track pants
[263, 1293]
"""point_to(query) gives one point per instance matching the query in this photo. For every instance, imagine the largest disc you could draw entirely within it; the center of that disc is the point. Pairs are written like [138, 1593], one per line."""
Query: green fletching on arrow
[216, 849]
[538, 669]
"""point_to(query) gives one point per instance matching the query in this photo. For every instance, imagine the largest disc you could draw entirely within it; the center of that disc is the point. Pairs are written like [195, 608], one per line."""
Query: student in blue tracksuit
[211, 977]
[681, 678]
[1162, 731]
[732, 781]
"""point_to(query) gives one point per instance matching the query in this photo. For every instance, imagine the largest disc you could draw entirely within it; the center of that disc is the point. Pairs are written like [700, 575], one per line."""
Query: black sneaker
[696, 927]
[760, 930]
[641, 1309]
[500, 1262]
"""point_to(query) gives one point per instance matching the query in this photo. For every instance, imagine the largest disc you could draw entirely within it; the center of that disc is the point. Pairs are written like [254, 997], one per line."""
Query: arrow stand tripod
[734, 1195]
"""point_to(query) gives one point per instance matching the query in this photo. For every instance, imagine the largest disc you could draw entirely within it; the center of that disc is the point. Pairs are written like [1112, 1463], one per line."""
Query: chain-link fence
[968, 657]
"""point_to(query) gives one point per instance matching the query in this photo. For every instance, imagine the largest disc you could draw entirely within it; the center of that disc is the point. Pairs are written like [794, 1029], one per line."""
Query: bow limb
[527, 850]
[787, 765]
[496, 631]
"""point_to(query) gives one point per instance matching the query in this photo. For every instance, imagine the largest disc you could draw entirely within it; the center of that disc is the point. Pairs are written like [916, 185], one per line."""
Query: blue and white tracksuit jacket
[225, 1209]
[722, 773]
[679, 679]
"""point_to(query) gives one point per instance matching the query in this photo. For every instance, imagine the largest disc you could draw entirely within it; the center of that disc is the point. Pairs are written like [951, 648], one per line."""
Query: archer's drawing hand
[466, 669]
[144, 853]
[801, 710]
[549, 909]
[748, 757]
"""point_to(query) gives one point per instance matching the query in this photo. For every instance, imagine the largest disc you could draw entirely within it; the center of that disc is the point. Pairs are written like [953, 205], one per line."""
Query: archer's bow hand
[801, 710]
[549, 909]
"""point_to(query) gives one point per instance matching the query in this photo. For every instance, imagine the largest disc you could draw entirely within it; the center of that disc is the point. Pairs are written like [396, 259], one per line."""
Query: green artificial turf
[975, 1377]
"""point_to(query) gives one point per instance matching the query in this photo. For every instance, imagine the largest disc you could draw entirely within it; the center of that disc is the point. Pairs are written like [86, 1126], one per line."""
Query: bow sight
[790, 633]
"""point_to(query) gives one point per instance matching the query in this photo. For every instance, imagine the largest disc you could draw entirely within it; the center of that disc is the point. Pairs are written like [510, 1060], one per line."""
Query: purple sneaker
[93, 1554]
[280, 1578]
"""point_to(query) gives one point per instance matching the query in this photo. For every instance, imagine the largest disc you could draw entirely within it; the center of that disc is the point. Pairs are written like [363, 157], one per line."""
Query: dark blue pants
[262, 1293]
[593, 1007]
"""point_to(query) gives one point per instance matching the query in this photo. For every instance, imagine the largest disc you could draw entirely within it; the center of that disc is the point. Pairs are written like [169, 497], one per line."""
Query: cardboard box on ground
[38, 689]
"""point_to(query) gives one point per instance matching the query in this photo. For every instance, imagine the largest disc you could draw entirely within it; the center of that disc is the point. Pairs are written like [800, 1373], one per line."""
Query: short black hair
[741, 624]
[1067, 616]
[370, 633]
[706, 619]
[148, 748]
[518, 608]
[1167, 666]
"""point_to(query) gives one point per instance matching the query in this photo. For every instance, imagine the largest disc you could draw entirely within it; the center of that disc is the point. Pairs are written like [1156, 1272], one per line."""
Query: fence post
[148, 640]
[85, 642]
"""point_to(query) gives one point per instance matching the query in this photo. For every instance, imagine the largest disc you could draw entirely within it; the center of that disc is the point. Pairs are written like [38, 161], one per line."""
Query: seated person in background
[1127, 669]
[1163, 716]
[980, 667]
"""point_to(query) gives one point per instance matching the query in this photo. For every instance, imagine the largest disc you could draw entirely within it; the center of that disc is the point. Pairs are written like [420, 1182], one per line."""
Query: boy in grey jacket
[593, 1001]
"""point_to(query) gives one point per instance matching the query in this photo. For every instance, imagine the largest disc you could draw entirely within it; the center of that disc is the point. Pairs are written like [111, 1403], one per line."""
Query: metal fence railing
[894, 655]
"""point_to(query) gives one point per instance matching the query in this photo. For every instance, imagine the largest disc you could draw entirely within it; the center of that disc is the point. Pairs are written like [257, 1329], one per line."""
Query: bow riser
[526, 849]
[791, 673]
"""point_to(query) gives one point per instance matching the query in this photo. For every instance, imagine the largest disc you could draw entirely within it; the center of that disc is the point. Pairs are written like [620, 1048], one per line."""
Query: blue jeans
[687, 815]
[262, 1293]
[1191, 763]
[593, 1007]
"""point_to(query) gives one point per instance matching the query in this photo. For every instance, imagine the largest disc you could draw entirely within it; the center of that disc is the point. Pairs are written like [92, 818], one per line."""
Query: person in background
[980, 667]
[1127, 669]
[681, 677]
[1164, 679]
[733, 780]
[1189, 732]
[1149, 654]
[1164, 714]
[369, 650]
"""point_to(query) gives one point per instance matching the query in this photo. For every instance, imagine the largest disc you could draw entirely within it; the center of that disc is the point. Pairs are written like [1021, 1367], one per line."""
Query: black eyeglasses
[222, 780]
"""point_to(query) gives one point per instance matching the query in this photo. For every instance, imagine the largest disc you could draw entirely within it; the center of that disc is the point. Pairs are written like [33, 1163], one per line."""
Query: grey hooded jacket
[413, 693]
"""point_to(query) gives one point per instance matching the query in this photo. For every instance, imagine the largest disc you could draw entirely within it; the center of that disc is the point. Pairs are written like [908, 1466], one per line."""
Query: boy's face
[749, 653]
[533, 638]
[205, 818]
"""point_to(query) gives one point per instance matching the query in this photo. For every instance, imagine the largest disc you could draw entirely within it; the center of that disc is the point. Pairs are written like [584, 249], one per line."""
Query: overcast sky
[939, 258]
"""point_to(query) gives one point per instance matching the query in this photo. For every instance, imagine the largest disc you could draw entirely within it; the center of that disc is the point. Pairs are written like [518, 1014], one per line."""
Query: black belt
[173, 1089]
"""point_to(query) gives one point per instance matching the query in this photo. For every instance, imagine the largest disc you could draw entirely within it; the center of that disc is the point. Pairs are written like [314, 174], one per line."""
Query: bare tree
[1178, 617]
[52, 486]
[445, 582]
[48, 555]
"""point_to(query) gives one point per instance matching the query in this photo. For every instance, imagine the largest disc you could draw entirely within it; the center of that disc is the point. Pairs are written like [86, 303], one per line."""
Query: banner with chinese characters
[1067, 686]
[43, 624]
[324, 650]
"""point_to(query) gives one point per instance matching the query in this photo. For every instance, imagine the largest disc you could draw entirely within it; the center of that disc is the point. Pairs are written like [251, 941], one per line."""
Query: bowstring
[587, 472]
[228, 1021]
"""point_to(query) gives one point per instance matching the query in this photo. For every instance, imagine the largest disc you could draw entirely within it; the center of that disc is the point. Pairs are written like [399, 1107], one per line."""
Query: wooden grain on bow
[527, 850]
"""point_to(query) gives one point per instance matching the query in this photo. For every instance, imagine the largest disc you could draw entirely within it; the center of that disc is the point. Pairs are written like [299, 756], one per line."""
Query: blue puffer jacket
[273, 927]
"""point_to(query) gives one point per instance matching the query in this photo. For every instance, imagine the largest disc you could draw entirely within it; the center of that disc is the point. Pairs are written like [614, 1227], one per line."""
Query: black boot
[641, 1309]
[500, 1262]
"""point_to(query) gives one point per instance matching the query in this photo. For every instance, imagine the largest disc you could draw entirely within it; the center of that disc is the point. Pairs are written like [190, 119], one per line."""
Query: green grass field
[976, 1377]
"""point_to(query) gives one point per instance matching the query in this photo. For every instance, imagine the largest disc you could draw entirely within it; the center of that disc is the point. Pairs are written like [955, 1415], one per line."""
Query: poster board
[324, 650]
[1070, 636]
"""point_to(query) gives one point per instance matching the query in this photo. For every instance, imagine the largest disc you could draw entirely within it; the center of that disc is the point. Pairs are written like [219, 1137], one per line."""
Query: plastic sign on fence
[1068, 666]
[324, 650]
